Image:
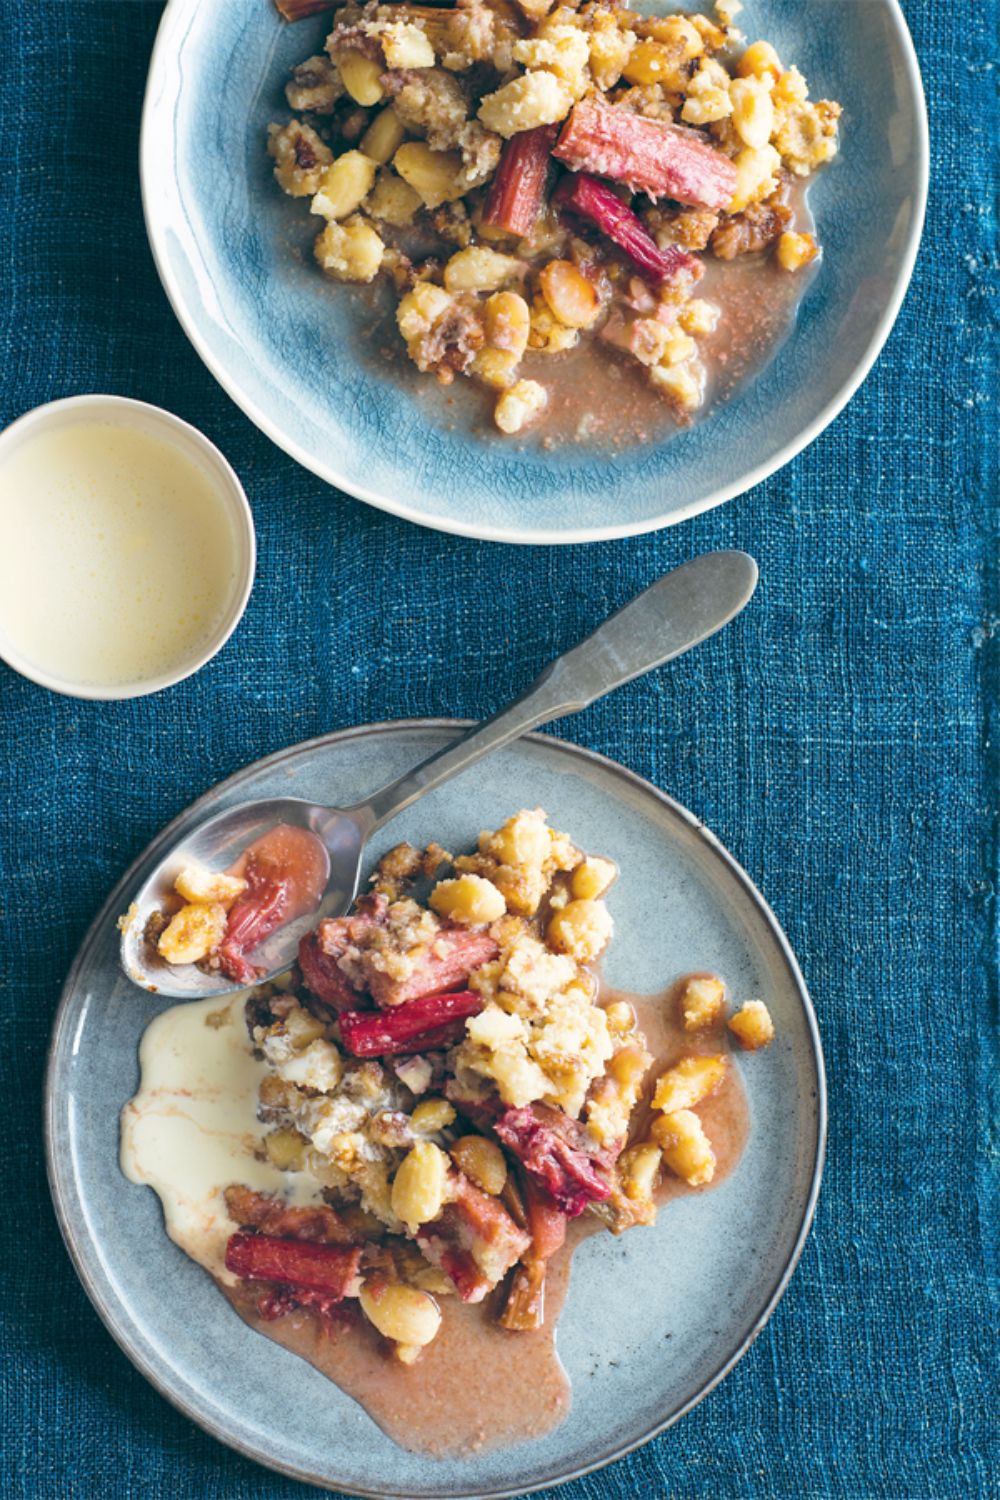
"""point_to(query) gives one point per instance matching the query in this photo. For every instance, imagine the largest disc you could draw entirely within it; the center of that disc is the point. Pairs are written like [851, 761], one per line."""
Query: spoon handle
[681, 609]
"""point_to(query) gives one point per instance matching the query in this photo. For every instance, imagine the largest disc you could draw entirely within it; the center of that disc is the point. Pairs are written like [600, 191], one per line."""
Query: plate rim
[62, 1181]
[157, 235]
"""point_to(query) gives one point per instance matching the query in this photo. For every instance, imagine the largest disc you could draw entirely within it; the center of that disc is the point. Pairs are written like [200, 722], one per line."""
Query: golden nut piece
[482, 1161]
[419, 1186]
[400, 1312]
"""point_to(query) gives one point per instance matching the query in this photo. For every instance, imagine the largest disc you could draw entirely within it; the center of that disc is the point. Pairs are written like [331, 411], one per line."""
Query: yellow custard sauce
[121, 559]
[192, 1128]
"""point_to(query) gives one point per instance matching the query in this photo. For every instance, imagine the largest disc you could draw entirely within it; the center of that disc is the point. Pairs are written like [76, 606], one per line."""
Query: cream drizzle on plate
[192, 1128]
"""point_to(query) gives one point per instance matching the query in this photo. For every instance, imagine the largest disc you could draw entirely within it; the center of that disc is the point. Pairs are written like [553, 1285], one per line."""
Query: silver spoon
[681, 609]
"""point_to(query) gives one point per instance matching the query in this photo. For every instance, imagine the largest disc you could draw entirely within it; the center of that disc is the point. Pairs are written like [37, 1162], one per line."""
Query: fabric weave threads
[840, 738]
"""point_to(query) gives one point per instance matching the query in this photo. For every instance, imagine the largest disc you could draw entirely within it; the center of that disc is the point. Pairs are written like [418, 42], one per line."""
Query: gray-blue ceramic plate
[711, 1271]
[298, 354]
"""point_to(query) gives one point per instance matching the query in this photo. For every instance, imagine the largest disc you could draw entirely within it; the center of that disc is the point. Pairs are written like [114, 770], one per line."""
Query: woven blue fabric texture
[840, 738]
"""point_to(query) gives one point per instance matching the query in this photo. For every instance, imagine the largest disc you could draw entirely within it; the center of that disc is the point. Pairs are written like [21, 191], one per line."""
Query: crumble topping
[441, 1071]
[595, 151]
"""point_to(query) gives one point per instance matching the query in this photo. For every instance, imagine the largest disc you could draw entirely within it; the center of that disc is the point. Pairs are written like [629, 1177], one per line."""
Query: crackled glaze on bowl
[709, 1273]
[291, 348]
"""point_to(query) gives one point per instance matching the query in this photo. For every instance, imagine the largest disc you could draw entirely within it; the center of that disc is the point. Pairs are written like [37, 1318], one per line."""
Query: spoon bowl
[216, 845]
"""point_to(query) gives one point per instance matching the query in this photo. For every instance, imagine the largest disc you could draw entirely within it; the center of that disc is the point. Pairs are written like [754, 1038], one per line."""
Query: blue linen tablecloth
[841, 740]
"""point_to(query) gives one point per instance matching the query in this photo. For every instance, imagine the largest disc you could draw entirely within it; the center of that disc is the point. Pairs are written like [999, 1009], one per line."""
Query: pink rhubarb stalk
[294, 1263]
[253, 916]
[552, 1148]
[649, 156]
[518, 186]
[421, 1025]
[595, 201]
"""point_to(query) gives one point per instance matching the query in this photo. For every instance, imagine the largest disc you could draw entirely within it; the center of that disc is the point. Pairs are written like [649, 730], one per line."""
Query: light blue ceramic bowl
[298, 355]
[653, 1320]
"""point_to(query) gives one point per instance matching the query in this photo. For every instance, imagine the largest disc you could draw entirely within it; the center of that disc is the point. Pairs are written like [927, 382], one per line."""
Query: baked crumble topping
[441, 1070]
[529, 173]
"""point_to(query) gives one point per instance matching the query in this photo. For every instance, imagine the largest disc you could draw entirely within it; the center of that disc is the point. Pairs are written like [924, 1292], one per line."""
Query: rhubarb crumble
[533, 176]
[215, 919]
[444, 1091]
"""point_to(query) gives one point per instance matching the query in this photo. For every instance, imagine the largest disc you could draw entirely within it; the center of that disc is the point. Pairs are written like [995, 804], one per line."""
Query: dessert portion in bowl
[536, 178]
[386, 1160]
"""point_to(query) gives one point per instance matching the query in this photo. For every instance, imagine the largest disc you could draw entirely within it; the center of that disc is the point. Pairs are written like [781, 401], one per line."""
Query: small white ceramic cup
[163, 426]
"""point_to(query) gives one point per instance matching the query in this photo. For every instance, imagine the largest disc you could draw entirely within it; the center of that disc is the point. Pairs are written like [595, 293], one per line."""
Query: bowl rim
[164, 48]
[61, 1180]
[225, 482]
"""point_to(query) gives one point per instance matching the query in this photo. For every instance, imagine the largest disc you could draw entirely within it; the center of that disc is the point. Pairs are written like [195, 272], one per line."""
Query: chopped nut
[383, 137]
[315, 86]
[702, 1002]
[286, 1149]
[300, 157]
[518, 406]
[621, 1016]
[752, 1025]
[402, 1313]
[479, 269]
[688, 1083]
[362, 78]
[753, 111]
[686, 1148]
[351, 251]
[526, 102]
[572, 298]
[432, 1116]
[581, 929]
[699, 316]
[796, 250]
[639, 1167]
[756, 176]
[198, 885]
[482, 1161]
[419, 1186]
[406, 46]
[193, 933]
[592, 877]
[468, 899]
[680, 384]
[434, 175]
[759, 61]
[393, 200]
[345, 185]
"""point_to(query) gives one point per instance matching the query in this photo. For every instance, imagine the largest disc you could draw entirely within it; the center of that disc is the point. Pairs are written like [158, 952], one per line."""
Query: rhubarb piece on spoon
[278, 877]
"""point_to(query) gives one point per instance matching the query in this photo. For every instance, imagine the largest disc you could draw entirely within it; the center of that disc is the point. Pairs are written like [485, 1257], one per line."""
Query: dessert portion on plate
[445, 1097]
[534, 178]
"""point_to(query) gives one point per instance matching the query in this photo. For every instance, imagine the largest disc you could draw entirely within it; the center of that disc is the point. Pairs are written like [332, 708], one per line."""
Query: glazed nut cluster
[531, 173]
[677, 1139]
